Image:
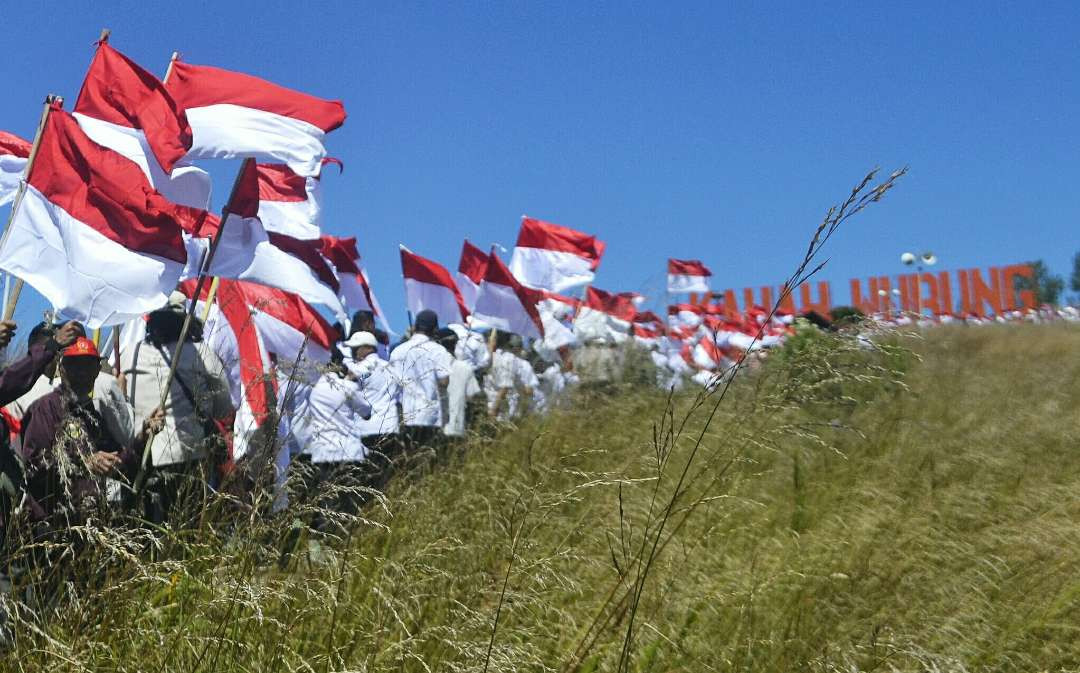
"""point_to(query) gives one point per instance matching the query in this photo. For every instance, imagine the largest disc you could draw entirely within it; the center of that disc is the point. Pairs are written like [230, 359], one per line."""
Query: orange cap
[82, 347]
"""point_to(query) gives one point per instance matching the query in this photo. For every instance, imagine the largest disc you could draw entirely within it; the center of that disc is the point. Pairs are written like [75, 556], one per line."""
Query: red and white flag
[504, 303]
[290, 204]
[470, 273]
[14, 152]
[355, 292]
[685, 315]
[91, 234]
[428, 285]
[606, 315]
[127, 109]
[246, 251]
[553, 257]
[236, 115]
[687, 275]
[267, 339]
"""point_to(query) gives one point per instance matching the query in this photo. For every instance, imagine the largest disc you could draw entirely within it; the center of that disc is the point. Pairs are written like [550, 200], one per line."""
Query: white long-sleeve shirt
[381, 390]
[330, 427]
[419, 365]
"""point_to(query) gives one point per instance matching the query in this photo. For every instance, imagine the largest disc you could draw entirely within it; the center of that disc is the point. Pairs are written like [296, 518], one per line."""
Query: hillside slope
[846, 510]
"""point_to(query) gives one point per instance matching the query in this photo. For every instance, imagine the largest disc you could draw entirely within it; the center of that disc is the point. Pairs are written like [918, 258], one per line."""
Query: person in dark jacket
[66, 451]
[15, 381]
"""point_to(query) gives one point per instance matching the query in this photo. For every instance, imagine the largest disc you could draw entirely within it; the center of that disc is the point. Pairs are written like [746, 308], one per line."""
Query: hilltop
[908, 508]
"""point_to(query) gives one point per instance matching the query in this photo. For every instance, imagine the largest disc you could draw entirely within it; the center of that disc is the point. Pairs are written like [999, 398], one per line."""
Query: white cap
[361, 339]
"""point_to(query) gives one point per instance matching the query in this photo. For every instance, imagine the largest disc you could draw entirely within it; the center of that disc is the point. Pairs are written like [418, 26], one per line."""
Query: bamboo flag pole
[211, 294]
[140, 478]
[16, 289]
[116, 351]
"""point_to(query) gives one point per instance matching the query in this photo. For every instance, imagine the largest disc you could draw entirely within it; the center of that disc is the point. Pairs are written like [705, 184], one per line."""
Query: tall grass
[911, 508]
[901, 504]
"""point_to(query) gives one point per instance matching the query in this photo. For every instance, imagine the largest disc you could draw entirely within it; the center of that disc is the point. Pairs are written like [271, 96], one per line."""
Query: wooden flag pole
[116, 351]
[140, 478]
[16, 289]
[211, 295]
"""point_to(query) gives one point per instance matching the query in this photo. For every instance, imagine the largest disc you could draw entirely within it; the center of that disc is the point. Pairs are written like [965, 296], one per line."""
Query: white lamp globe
[882, 293]
[907, 258]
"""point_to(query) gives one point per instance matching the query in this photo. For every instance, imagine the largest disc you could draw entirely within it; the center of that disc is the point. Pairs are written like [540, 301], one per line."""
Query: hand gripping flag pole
[245, 175]
[16, 289]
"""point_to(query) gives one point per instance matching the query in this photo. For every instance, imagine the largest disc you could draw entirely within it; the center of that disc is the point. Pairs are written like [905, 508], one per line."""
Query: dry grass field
[912, 507]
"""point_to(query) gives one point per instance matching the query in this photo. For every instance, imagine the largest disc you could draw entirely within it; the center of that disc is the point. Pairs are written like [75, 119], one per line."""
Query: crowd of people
[85, 435]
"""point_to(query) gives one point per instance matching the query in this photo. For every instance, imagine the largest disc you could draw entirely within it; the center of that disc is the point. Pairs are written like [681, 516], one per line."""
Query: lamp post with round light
[909, 259]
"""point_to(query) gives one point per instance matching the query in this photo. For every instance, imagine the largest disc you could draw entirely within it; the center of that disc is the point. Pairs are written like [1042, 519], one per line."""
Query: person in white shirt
[472, 348]
[195, 409]
[330, 428]
[422, 368]
[510, 380]
[381, 390]
[461, 387]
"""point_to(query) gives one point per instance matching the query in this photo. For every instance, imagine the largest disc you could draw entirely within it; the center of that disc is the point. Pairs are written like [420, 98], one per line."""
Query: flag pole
[16, 289]
[140, 478]
[168, 70]
[116, 351]
[211, 295]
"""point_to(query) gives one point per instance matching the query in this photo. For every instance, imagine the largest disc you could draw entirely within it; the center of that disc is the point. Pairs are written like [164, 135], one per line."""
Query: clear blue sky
[717, 131]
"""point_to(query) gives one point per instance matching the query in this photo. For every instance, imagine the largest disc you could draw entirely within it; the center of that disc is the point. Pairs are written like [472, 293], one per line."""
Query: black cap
[426, 321]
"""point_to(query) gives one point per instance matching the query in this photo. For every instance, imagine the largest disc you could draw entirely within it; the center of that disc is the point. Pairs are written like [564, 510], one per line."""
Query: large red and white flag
[290, 204]
[553, 257]
[471, 269]
[91, 234]
[428, 285]
[504, 303]
[127, 109]
[250, 253]
[246, 251]
[687, 275]
[14, 152]
[356, 293]
[236, 115]
[267, 339]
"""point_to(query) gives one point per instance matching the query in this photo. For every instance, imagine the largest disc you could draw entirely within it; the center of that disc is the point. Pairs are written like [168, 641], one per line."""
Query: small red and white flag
[553, 257]
[470, 273]
[290, 204]
[356, 293]
[91, 234]
[606, 315]
[504, 303]
[687, 275]
[14, 152]
[428, 285]
[235, 115]
[685, 315]
[127, 109]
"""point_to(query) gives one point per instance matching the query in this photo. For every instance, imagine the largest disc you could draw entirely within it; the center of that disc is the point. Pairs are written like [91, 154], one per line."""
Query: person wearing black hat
[422, 368]
[198, 410]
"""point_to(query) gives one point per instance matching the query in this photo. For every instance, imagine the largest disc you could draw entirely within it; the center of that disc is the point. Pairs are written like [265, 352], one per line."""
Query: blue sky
[717, 131]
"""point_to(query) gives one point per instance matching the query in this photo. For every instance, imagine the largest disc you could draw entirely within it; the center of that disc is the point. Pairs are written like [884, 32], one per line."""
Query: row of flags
[111, 214]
